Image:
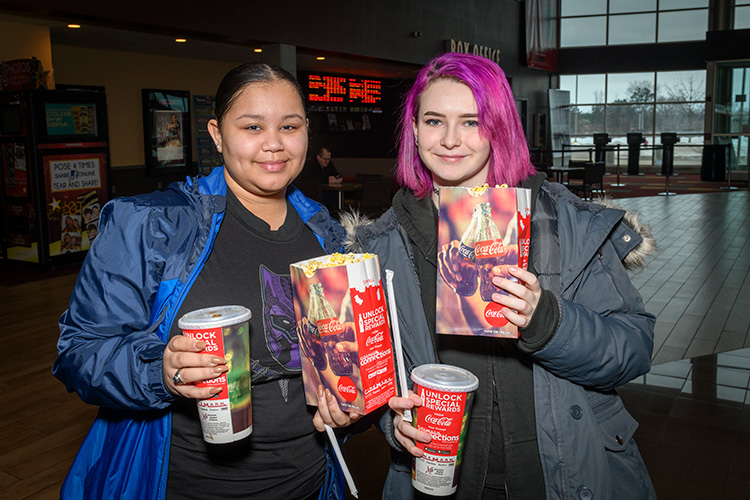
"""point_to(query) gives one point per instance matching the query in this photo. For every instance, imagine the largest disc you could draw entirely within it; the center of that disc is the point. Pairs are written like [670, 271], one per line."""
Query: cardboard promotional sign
[342, 325]
[479, 229]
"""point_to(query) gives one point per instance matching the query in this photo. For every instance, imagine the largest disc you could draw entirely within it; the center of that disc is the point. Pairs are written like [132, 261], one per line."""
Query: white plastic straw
[340, 458]
[400, 366]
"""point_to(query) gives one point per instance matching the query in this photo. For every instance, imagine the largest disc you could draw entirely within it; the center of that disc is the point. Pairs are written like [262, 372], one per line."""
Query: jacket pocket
[616, 425]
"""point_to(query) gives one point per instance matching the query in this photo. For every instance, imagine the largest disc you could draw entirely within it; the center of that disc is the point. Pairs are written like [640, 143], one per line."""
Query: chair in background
[311, 189]
[360, 178]
[576, 175]
[592, 181]
[376, 196]
[355, 198]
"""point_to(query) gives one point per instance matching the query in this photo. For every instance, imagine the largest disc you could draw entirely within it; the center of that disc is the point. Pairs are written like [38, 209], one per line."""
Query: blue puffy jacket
[149, 250]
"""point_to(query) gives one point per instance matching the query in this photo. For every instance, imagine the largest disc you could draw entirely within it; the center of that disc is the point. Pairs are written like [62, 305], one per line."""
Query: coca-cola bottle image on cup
[325, 324]
[489, 251]
[466, 265]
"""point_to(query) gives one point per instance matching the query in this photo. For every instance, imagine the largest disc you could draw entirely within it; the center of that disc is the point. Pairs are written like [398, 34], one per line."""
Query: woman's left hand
[329, 412]
[523, 296]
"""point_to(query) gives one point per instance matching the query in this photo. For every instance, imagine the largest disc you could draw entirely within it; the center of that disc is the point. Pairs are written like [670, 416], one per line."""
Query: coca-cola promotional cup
[227, 416]
[342, 323]
[447, 393]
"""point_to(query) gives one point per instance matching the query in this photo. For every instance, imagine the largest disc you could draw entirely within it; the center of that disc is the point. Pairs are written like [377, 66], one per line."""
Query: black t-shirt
[284, 455]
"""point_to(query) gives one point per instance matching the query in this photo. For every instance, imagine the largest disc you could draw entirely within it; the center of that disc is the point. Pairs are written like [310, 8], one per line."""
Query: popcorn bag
[479, 229]
[348, 353]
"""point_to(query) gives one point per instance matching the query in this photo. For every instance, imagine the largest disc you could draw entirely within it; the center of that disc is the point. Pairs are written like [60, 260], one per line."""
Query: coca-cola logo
[466, 252]
[374, 339]
[330, 326]
[493, 314]
[435, 420]
[490, 248]
[347, 389]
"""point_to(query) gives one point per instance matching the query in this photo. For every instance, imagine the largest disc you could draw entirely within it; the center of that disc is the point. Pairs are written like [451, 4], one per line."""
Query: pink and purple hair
[498, 121]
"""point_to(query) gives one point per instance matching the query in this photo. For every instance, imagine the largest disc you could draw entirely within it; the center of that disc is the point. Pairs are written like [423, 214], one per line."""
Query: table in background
[344, 187]
[560, 171]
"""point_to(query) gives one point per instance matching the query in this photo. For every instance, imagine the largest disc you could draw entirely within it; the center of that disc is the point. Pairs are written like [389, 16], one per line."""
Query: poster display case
[166, 131]
[54, 157]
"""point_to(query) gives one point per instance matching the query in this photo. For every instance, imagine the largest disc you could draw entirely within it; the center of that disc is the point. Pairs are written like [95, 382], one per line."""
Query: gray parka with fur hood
[576, 433]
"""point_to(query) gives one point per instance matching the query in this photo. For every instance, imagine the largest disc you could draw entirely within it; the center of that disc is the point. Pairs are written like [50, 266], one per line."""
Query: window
[648, 103]
[679, 26]
[630, 87]
[583, 7]
[742, 17]
[618, 22]
[583, 31]
[621, 6]
[634, 28]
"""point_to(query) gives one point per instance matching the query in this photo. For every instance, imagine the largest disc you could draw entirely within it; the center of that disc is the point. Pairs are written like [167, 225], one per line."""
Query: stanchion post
[618, 184]
[728, 161]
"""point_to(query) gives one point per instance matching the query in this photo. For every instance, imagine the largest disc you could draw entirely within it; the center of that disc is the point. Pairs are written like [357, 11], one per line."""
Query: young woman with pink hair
[546, 420]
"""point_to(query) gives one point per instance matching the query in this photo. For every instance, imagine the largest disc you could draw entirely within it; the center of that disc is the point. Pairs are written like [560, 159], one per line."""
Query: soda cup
[447, 393]
[227, 416]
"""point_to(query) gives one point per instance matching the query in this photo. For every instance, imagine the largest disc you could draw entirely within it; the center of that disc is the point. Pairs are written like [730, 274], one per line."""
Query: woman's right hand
[183, 354]
[406, 434]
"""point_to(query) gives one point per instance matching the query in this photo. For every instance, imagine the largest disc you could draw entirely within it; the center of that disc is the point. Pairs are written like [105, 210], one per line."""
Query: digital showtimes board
[344, 91]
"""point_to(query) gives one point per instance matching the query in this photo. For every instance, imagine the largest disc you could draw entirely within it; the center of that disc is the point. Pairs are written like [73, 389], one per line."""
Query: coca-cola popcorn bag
[342, 325]
[479, 229]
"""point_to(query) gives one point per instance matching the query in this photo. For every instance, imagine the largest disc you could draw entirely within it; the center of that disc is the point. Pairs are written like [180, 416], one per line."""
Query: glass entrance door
[731, 124]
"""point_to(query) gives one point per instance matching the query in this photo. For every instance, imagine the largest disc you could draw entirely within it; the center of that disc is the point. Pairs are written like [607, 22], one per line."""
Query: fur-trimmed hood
[636, 259]
[352, 222]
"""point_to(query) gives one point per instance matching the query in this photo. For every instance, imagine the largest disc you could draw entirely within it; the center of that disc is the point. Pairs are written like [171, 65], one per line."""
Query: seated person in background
[321, 167]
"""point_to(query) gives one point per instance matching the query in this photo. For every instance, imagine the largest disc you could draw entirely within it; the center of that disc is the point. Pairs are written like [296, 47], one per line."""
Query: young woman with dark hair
[224, 239]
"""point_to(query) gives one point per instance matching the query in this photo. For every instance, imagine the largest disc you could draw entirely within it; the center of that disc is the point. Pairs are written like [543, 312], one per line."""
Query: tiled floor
[694, 405]
[698, 284]
[694, 432]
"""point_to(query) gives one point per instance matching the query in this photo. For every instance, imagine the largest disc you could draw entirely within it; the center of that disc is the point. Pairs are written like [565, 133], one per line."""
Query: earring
[416, 141]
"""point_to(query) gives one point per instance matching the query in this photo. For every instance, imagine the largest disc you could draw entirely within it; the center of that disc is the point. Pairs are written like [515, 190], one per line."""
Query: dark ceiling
[109, 38]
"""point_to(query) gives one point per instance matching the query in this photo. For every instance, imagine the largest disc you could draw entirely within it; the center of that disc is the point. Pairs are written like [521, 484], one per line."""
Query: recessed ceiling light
[180, 40]
[320, 58]
[257, 50]
[74, 26]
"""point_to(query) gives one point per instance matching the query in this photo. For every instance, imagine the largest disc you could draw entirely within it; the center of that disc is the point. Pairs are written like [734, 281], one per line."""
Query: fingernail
[217, 361]
[320, 391]
[200, 345]
[221, 369]
[329, 396]
[512, 268]
[214, 391]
